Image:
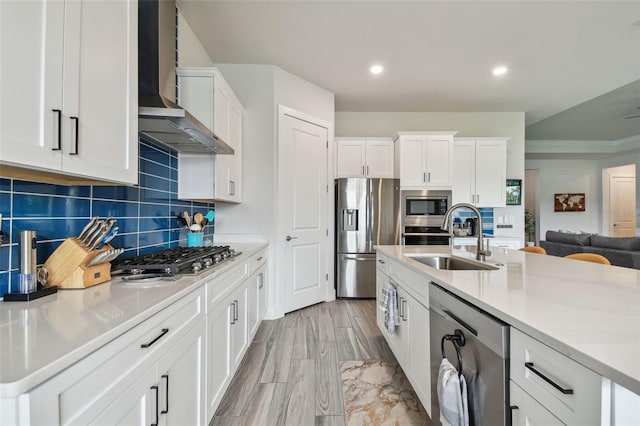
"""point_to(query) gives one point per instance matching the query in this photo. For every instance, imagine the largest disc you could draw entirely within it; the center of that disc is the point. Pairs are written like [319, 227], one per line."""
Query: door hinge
[326, 277]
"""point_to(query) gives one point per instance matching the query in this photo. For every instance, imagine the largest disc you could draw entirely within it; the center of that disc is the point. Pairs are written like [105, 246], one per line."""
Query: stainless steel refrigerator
[367, 214]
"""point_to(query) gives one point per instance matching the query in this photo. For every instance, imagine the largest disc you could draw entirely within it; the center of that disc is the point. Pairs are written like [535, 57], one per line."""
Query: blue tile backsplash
[146, 214]
[487, 218]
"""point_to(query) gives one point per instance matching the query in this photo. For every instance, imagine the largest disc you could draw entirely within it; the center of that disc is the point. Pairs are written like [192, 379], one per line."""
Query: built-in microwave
[424, 208]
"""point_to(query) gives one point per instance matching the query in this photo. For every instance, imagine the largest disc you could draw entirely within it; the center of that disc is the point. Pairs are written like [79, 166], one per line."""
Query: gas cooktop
[174, 261]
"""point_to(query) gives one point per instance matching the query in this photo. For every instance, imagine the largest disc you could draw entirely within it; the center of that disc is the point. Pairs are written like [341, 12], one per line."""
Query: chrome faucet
[481, 252]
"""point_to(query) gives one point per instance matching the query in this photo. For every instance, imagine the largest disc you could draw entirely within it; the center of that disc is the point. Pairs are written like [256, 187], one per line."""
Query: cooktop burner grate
[176, 260]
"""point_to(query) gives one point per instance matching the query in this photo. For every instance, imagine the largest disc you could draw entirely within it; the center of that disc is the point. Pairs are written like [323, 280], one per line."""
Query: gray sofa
[624, 251]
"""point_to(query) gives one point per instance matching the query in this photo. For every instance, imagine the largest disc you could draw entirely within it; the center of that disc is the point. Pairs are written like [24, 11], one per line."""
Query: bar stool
[534, 249]
[589, 257]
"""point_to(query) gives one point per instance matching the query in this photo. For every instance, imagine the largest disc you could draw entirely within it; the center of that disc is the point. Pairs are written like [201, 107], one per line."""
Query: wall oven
[422, 214]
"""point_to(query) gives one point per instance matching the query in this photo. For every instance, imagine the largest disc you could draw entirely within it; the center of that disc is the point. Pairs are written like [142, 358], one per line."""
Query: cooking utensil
[197, 218]
[181, 220]
[87, 227]
[205, 222]
[99, 258]
[195, 228]
[110, 235]
[210, 215]
[186, 218]
[91, 232]
[98, 237]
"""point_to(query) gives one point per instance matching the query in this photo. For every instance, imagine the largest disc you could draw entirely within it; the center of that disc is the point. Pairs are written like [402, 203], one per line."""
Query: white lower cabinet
[123, 382]
[219, 369]
[410, 340]
[526, 411]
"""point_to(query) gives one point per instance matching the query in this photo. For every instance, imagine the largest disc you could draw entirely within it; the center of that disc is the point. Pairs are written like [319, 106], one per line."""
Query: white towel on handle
[389, 305]
[452, 396]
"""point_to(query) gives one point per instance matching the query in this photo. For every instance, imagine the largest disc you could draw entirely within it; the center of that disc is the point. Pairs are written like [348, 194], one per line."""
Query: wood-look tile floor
[299, 368]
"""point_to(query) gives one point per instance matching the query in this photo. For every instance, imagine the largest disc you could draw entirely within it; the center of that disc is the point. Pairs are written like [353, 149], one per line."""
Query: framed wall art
[569, 202]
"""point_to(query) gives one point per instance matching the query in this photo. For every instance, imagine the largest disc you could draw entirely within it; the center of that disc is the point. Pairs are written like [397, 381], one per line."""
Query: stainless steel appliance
[366, 215]
[478, 345]
[422, 216]
[159, 118]
[172, 262]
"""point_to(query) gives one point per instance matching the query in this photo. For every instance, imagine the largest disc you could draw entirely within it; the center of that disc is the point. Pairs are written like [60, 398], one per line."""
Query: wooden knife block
[67, 266]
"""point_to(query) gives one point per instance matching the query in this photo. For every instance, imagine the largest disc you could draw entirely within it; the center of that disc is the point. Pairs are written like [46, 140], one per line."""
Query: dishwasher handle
[462, 323]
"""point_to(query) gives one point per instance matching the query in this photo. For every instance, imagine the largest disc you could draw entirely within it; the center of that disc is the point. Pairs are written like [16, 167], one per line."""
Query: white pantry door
[303, 201]
[623, 206]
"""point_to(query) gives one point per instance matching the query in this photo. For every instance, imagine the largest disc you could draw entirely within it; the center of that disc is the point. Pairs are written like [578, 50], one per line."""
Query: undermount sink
[449, 263]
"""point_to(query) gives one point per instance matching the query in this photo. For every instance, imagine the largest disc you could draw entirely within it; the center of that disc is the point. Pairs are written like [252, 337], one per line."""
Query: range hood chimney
[159, 118]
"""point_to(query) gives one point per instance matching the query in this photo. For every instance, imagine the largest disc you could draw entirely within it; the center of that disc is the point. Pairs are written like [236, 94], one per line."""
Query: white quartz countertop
[41, 338]
[587, 311]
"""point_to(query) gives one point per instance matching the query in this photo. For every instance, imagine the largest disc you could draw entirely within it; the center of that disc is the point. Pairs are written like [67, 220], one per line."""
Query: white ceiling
[438, 55]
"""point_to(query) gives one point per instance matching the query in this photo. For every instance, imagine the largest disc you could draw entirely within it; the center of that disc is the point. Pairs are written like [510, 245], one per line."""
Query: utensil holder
[194, 239]
[68, 268]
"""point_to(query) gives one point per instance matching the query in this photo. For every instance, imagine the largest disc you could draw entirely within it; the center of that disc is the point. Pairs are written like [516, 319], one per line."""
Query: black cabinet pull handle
[77, 126]
[146, 345]
[233, 315]
[567, 391]
[155, 388]
[59, 113]
[235, 311]
[166, 399]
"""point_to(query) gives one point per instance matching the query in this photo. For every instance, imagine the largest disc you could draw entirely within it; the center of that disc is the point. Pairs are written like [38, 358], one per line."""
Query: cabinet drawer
[219, 287]
[382, 263]
[415, 282]
[527, 411]
[544, 373]
[91, 384]
[256, 260]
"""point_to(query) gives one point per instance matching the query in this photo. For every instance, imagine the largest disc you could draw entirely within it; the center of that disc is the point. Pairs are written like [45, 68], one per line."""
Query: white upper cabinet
[425, 159]
[206, 95]
[70, 87]
[371, 158]
[479, 171]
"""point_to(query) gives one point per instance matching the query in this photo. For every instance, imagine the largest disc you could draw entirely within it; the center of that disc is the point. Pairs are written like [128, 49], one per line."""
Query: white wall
[468, 124]
[191, 53]
[559, 176]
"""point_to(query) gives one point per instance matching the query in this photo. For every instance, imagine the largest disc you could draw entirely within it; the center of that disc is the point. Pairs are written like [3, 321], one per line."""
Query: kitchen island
[589, 313]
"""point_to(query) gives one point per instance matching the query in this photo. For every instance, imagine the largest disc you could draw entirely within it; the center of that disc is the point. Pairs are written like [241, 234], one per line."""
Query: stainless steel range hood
[159, 118]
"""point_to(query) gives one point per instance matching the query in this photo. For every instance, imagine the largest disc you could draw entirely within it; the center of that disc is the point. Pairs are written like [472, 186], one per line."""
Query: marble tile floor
[327, 364]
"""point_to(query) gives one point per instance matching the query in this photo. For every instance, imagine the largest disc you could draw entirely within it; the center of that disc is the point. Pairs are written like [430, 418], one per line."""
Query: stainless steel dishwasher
[479, 342]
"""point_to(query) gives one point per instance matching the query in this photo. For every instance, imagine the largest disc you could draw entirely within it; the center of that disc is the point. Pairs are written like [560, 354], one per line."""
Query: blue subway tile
[126, 193]
[115, 208]
[174, 186]
[49, 228]
[155, 169]
[151, 238]
[174, 235]
[154, 210]
[4, 258]
[173, 174]
[14, 282]
[5, 184]
[152, 182]
[155, 224]
[5, 203]
[151, 196]
[49, 189]
[174, 161]
[154, 153]
[15, 257]
[127, 225]
[49, 206]
[4, 283]
[126, 241]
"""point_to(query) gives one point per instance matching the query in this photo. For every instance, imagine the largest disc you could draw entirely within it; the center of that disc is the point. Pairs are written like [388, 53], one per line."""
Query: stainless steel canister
[28, 262]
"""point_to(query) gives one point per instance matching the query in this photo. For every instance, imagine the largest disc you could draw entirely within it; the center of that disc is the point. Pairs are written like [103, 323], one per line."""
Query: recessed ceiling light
[376, 69]
[500, 71]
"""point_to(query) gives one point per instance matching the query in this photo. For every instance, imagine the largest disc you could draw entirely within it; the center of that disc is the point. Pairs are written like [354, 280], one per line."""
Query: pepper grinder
[28, 261]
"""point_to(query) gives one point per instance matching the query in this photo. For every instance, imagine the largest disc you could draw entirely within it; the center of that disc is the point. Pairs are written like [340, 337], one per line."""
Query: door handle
[157, 391]
[424, 177]
[235, 312]
[429, 177]
[77, 127]
[530, 366]
[59, 114]
[147, 345]
[166, 395]
[289, 238]
[367, 170]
